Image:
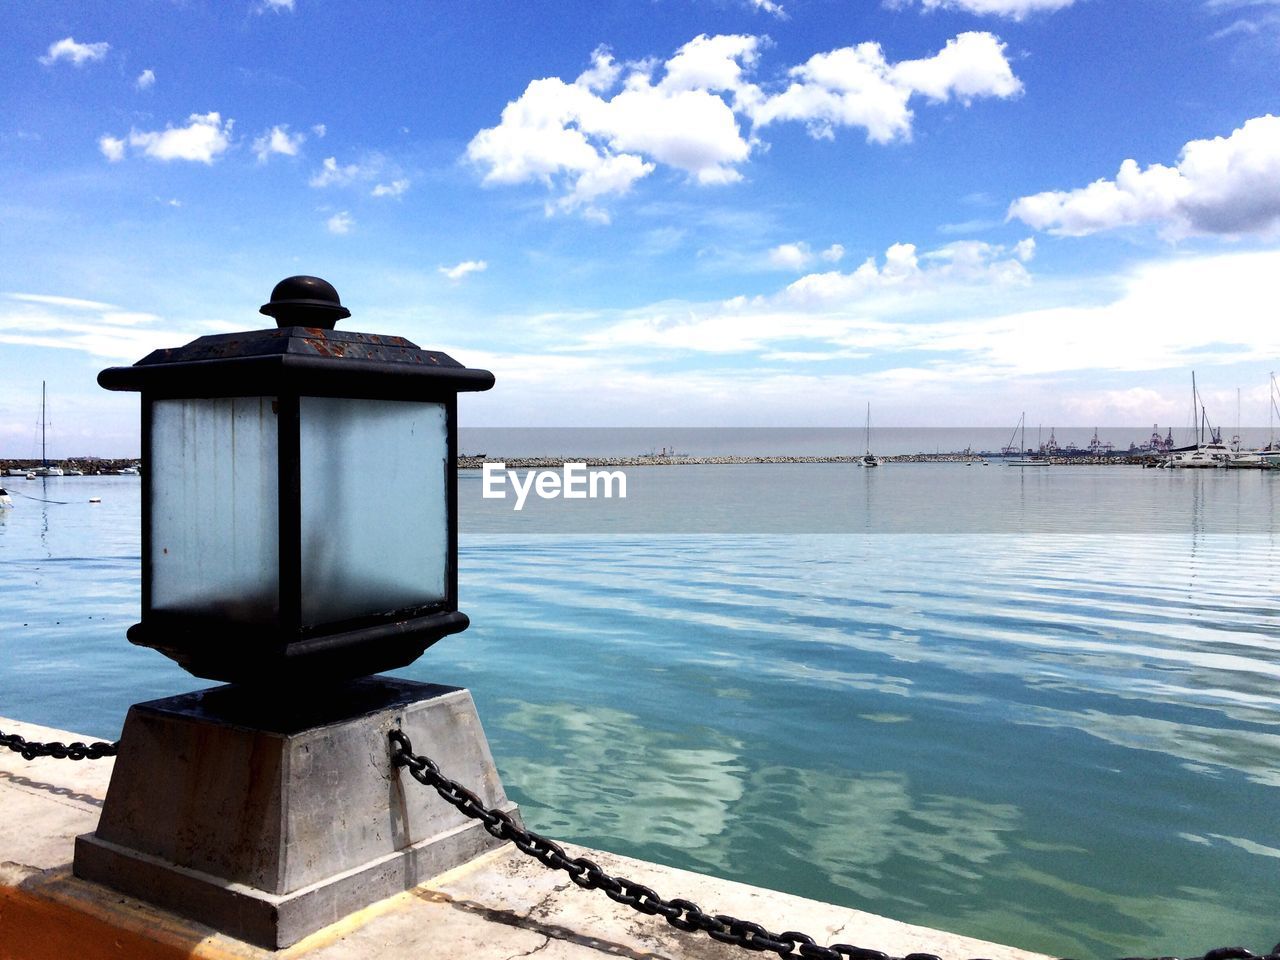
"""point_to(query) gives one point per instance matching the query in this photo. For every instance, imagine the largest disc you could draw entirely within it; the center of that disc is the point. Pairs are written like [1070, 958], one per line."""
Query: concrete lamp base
[268, 821]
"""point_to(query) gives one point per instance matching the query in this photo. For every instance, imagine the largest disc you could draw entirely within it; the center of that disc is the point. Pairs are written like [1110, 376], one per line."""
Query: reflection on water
[1206, 749]
[1068, 743]
[600, 773]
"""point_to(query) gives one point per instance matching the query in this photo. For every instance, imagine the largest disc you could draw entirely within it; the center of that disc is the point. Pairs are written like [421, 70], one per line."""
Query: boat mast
[1195, 409]
[44, 460]
[868, 428]
[1271, 429]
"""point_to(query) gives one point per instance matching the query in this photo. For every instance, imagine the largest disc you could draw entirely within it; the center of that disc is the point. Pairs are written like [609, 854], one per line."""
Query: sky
[657, 212]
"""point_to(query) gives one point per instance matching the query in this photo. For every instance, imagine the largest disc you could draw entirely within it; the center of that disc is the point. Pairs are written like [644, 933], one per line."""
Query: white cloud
[395, 188]
[798, 256]
[275, 5]
[54, 300]
[971, 65]
[864, 309]
[105, 331]
[460, 270]
[203, 139]
[333, 174]
[78, 53]
[146, 80]
[319, 130]
[602, 74]
[330, 173]
[791, 256]
[587, 143]
[768, 6]
[962, 262]
[932, 327]
[1228, 186]
[1247, 28]
[1009, 9]
[597, 146]
[858, 87]
[112, 148]
[340, 223]
[278, 140]
[1131, 405]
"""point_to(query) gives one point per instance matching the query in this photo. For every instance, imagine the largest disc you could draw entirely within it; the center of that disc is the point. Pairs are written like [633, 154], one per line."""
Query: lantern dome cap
[305, 302]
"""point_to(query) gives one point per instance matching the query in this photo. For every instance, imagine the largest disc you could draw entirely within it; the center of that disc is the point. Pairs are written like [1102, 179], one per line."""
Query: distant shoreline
[545, 463]
[89, 466]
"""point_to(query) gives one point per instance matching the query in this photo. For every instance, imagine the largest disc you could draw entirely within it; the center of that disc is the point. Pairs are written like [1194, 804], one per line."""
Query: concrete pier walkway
[499, 907]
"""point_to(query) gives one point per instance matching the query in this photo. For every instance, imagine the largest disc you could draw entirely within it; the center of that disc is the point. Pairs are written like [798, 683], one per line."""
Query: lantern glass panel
[215, 529]
[374, 511]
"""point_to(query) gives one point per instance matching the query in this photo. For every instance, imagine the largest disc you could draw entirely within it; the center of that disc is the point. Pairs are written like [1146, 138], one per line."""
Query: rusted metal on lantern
[299, 512]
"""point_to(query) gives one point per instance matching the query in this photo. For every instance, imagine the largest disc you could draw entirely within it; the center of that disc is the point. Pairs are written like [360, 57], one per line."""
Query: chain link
[680, 913]
[60, 751]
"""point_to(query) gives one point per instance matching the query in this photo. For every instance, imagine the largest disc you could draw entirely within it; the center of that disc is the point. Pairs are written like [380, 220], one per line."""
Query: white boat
[1021, 459]
[869, 459]
[44, 470]
[1253, 460]
[1204, 454]
[128, 472]
[1268, 457]
[6, 501]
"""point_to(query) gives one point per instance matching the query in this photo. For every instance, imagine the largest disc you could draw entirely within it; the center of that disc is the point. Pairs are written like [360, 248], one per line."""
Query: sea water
[1039, 706]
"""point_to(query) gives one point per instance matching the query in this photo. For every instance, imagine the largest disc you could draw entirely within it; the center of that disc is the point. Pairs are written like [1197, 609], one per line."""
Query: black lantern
[299, 489]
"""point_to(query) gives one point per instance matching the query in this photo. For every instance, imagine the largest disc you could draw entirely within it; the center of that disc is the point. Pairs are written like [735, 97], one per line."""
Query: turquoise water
[1064, 740]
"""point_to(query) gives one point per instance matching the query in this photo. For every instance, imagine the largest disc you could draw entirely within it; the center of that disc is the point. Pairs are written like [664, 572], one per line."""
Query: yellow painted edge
[33, 927]
[55, 916]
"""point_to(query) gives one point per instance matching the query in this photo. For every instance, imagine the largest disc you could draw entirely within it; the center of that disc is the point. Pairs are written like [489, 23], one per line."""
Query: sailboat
[1020, 459]
[1202, 454]
[1264, 458]
[869, 459]
[44, 470]
[6, 501]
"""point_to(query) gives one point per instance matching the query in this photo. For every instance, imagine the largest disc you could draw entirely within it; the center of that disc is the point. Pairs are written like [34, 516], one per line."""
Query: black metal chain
[60, 751]
[680, 913]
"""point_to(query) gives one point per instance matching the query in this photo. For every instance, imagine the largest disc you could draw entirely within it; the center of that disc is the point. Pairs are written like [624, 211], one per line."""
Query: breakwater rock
[88, 466]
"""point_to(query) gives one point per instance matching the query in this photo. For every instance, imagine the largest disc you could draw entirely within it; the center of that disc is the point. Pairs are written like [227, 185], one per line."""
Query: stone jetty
[498, 906]
[89, 466]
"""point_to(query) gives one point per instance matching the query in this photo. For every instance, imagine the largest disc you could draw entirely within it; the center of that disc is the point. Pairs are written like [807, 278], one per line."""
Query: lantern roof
[298, 359]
